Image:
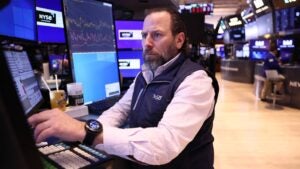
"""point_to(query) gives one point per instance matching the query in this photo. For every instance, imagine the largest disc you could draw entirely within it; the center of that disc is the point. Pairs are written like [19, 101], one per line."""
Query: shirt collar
[149, 75]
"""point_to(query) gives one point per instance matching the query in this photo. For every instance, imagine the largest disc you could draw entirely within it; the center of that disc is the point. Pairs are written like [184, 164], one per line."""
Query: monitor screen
[279, 4]
[24, 79]
[262, 44]
[285, 44]
[99, 74]
[130, 63]
[258, 55]
[234, 21]
[286, 56]
[246, 51]
[237, 34]
[238, 51]
[264, 24]
[259, 49]
[17, 142]
[58, 64]
[91, 40]
[129, 34]
[18, 20]
[220, 52]
[50, 25]
[89, 25]
[287, 19]
[261, 7]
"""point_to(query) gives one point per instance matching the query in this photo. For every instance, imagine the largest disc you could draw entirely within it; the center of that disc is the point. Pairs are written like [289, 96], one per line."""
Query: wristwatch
[92, 128]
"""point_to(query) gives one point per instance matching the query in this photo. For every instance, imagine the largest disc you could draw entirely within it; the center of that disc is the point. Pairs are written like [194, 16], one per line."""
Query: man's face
[159, 45]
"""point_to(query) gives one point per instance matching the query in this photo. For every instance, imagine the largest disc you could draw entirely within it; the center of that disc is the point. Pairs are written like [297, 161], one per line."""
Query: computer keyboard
[99, 106]
[70, 156]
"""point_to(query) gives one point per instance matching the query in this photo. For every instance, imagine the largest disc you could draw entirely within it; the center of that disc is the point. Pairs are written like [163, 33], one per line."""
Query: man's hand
[55, 123]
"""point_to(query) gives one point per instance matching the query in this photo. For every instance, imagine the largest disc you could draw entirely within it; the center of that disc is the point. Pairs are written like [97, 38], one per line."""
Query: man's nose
[148, 42]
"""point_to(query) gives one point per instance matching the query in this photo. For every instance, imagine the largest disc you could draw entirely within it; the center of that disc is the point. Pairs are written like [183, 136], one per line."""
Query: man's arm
[192, 104]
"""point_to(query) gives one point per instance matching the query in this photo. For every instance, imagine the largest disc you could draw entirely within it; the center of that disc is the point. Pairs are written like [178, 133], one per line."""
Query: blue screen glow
[18, 20]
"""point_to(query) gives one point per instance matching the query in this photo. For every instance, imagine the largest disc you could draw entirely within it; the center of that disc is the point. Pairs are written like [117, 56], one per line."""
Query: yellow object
[58, 99]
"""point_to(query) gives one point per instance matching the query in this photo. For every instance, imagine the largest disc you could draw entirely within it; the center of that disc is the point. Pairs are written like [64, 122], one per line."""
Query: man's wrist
[93, 129]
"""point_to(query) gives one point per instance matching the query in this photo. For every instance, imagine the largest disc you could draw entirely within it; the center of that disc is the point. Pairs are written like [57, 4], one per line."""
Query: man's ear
[179, 40]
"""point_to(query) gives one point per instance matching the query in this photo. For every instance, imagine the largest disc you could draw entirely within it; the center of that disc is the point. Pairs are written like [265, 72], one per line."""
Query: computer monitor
[18, 20]
[129, 34]
[50, 25]
[58, 64]
[19, 95]
[220, 51]
[259, 49]
[92, 46]
[24, 79]
[286, 56]
[130, 63]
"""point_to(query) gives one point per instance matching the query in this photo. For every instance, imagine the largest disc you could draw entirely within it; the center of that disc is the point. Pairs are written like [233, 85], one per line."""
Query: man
[271, 63]
[168, 110]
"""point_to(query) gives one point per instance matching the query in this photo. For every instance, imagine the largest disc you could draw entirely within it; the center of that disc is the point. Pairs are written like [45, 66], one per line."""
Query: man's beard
[153, 62]
[157, 59]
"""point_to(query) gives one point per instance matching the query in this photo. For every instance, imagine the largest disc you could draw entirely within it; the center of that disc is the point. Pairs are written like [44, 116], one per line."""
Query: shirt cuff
[119, 146]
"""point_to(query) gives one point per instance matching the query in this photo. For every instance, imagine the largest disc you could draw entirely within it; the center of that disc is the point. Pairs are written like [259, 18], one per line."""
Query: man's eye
[156, 35]
[144, 35]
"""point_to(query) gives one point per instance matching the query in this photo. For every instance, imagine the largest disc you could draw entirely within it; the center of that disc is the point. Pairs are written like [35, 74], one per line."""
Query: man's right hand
[55, 123]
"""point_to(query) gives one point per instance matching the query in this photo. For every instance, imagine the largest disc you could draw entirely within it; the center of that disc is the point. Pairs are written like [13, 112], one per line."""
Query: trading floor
[250, 135]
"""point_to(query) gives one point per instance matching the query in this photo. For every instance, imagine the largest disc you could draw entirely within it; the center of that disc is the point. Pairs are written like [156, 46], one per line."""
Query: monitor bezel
[64, 29]
[3, 60]
[70, 53]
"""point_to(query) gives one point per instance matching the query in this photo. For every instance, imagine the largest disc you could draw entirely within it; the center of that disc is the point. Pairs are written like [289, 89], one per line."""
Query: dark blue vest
[150, 101]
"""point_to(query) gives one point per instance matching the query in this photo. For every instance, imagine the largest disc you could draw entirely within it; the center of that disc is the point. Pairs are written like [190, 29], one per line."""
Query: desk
[238, 70]
[291, 84]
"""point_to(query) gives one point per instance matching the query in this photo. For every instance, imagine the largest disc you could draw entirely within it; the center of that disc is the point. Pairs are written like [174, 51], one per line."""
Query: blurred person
[271, 63]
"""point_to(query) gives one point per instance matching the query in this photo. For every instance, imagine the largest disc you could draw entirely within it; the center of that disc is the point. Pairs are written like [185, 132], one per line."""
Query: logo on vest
[157, 97]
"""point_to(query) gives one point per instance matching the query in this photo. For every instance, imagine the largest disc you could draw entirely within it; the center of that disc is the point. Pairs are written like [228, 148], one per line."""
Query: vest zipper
[141, 91]
[138, 98]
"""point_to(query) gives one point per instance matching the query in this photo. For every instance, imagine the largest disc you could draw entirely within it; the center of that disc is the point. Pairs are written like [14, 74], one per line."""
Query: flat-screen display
[24, 79]
[90, 26]
[233, 21]
[286, 48]
[237, 34]
[259, 49]
[238, 51]
[99, 74]
[258, 54]
[246, 51]
[261, 7]
[91, 40]
[17, 98]
[261, 44]
[251, 31]
[129, 34]
[18, 20]
[49, 19]
[248, 15]
[285, 44]
[287, 19]
[264, 24]
[130, 63]
[279, 4]
[220, 52]
[286, 56]
[58, 64]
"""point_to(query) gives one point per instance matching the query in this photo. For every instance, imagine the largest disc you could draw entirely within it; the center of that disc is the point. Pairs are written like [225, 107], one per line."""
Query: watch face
[94, 125]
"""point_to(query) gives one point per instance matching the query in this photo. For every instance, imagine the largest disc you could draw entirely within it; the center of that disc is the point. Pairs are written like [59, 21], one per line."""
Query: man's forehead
[157, 20]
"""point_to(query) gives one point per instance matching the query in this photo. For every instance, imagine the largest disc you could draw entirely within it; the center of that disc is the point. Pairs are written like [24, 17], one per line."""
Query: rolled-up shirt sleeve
[192, 104]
